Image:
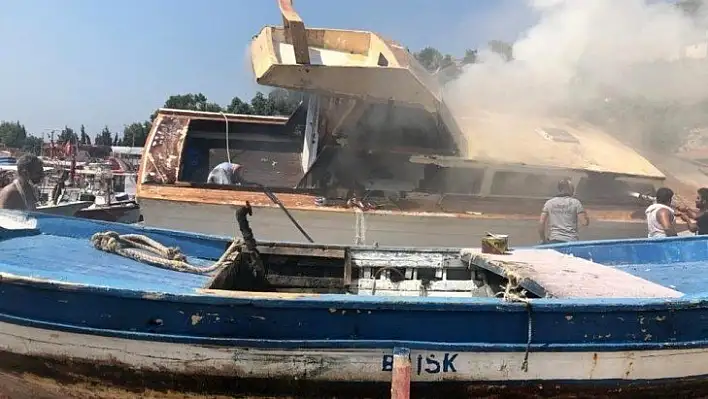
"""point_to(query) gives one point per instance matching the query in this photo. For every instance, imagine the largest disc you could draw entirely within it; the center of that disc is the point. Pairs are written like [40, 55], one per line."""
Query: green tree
[691, 7]
[284, 102]
[504, 49]
[33, 145]
[104, 138]
[12, 134]
[68, 135]
[191, 101]
[83, 136]
[136, 133]
[470, 57]
[261, 105]
[433, 60]
[237, 106]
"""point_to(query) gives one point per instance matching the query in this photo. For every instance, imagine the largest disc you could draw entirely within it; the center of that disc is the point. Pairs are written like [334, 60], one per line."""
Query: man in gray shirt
[559, 218]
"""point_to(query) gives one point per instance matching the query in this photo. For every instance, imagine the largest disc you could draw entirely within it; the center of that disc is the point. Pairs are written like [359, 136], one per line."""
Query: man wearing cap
[559, 217]
[225, 173]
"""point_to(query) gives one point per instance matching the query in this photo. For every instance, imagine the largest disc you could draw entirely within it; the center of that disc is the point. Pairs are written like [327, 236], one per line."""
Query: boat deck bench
[549, 273]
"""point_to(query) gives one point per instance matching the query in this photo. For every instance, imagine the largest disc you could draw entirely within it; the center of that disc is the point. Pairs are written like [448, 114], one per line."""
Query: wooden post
[401, 374]
[295, 32]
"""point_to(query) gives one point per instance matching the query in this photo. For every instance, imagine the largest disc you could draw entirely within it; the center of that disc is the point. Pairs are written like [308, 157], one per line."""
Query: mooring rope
[510, 295]
[144, 249]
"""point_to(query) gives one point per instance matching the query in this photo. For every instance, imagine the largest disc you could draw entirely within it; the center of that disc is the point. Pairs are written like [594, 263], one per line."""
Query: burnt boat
[375, 155]
[80, 299]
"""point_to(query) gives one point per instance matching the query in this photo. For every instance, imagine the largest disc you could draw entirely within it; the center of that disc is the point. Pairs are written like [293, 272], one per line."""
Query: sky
[97, 63]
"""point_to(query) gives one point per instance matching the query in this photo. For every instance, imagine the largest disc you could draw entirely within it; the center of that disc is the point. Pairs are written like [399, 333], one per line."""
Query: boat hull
[475, 373]
[340, 227]
[119, 213]
[65, 209]
[64, 304]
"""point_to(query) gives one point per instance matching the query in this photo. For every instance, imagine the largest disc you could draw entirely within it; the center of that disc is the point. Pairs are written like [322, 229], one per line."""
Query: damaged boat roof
[548, 142]
[363, 66]
[347, 63]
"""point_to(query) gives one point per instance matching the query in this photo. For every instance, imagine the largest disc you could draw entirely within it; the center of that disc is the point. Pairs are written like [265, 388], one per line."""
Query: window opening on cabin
[382, 61]
[557, 135]
[521, 184]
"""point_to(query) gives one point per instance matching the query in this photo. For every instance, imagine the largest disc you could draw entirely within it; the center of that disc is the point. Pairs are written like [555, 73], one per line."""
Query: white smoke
[583, 51]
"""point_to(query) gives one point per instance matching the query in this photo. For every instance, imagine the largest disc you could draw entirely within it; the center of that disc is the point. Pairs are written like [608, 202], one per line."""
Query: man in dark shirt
[698, 219]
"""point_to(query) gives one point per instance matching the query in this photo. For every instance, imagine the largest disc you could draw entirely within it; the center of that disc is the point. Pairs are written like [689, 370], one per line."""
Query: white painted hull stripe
[354, 364]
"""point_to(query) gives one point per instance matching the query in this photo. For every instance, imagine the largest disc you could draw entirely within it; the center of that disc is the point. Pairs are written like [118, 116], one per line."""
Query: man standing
[559, 217]
[225, 173]
[58, 189]
[20, 194]
[697, 220]
[661, 219]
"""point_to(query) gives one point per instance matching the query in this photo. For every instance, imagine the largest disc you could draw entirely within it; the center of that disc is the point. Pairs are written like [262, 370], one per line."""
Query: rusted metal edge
[236, 118]
[193, 195]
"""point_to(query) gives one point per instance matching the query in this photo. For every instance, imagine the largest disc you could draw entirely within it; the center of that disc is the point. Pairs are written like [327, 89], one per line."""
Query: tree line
[277, 102]
[13, 134]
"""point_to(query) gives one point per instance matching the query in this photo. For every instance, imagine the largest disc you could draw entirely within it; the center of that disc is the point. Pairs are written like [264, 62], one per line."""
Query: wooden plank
[401, 374]
[549, 273]
[347, 279]
[295, 33]
[315, 252]
[406, 259]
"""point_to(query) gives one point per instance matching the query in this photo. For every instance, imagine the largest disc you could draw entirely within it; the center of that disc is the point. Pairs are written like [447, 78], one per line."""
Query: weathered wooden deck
[549, 273]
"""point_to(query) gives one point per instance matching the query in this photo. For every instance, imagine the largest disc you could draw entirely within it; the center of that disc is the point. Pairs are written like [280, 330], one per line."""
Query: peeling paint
[196, 318]
[569, 317]
[630, 368]
[332, 310]
[153, 295]
[660, 318]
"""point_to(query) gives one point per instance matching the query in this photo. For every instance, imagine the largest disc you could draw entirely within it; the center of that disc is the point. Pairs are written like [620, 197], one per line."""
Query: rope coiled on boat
[144, 249]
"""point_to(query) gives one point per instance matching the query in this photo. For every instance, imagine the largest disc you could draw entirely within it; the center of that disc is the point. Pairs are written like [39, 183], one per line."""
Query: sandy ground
[15, 386]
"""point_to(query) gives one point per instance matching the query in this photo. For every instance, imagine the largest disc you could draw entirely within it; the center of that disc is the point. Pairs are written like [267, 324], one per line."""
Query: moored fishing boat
[592, 317]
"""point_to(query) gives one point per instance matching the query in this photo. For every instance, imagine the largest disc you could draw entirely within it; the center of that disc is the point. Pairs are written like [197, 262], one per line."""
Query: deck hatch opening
[557, 135]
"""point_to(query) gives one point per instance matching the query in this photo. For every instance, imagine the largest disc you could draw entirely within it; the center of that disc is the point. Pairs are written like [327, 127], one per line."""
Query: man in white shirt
[661, 218]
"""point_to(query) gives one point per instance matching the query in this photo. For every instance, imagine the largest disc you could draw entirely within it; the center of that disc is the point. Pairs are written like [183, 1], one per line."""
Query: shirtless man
[696, 219]
[20, 194]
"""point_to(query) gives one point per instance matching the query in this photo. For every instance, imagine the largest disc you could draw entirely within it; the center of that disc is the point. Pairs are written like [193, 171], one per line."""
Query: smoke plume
[584, 54]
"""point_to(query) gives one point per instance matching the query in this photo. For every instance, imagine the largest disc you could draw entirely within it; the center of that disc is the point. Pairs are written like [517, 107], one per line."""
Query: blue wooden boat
[616, 316]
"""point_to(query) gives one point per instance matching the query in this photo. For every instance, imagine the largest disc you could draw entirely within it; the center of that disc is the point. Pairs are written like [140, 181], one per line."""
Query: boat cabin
[373, 124]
